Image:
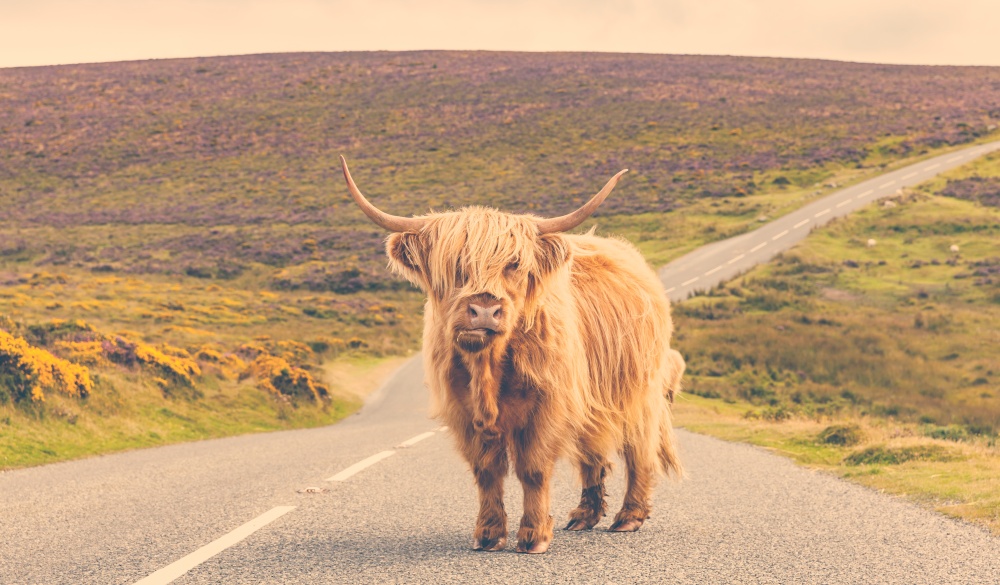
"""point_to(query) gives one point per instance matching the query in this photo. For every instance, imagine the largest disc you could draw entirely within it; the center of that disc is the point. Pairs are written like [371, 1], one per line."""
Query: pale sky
[957, 32]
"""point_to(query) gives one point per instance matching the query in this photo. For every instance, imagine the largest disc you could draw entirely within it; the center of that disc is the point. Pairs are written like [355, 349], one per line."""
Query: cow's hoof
[533, 548]
[626, 525]
[582, 519]
[577, 526]
[489, 544]
[533, 541]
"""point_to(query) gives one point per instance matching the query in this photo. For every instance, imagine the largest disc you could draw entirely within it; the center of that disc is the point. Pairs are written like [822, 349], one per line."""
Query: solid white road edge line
[176, 569]
[687, 282]
[779, 235]
[800, 224]
[759, 246]
[360, 466]
[740, 257]
[415, 440]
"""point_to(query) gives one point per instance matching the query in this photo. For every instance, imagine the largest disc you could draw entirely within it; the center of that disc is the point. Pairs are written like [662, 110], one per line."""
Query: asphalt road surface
[382, 497]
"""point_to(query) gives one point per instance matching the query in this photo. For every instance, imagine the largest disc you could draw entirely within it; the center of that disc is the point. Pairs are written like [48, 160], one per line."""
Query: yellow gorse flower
[40, 370]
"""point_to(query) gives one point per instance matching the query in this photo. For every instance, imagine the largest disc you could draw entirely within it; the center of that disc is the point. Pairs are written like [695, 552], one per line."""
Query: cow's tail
[669, 459]
[675, 369]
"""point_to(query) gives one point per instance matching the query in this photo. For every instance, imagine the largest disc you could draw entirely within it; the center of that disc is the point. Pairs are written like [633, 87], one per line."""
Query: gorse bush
[281, 379]
[26, 372]
[882, 455]
[90, 353]
[180, 370]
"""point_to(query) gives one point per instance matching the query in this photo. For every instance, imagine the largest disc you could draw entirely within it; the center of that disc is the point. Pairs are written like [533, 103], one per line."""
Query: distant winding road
[393, 503]
[720, 261]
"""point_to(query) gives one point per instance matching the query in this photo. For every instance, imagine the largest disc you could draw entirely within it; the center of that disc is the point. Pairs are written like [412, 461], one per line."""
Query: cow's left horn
[567, 222]
[393, 223]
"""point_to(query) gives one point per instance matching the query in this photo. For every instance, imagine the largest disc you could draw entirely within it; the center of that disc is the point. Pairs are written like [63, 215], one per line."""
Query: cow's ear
[406, 257]
[553, 252]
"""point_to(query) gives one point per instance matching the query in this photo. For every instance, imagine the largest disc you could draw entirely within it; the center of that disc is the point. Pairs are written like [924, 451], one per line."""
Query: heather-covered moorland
[194, 208]
[210, 167]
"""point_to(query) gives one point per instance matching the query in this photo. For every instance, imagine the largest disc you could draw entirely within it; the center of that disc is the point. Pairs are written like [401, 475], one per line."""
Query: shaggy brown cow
[537, 345]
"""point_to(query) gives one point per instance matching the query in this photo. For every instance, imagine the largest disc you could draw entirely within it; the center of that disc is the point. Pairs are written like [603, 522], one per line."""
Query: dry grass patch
[957, 478]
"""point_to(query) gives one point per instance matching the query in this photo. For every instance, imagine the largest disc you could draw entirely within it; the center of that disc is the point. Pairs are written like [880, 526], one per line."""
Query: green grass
[903, 328]
[128, 411]
[875, 363]
[960, 479]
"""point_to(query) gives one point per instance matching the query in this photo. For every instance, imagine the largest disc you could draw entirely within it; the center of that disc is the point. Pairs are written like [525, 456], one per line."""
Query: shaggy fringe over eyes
[471, 250]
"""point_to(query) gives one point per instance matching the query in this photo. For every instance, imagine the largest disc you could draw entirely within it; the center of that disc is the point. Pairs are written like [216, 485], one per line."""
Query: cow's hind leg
[592, 506]
[641, 468]
[489, 466]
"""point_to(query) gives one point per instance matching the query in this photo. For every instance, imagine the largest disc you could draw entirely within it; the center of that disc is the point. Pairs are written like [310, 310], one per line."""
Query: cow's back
[625, 320]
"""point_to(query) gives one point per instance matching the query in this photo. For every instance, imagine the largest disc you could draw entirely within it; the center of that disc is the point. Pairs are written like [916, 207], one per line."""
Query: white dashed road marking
[884, 185]
[178, 568]
[740, 257]
[360, 466]
[415, 440]
[687, 282]
[801, 223]
[953, 159]
[758, 247]
[843, 203]
[716, 269]
[824, 212]
[932, 167]
[866, 193]
[671, 289]
[910, 176]
[782, 234]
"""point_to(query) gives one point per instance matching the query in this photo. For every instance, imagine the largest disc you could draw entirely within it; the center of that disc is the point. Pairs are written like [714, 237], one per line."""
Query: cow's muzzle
[475, 340]
[483, 321]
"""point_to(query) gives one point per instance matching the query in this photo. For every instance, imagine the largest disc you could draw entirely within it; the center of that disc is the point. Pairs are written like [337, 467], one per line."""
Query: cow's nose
[481, 317]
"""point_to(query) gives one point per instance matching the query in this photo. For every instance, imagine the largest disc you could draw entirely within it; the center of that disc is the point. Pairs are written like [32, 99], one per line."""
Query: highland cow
[540, 345]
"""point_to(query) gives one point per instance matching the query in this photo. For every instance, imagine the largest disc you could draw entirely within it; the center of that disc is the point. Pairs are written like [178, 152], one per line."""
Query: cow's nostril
[497, 313]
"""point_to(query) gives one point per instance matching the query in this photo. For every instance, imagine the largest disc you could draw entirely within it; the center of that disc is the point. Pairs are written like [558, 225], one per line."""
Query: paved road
[230, 511]
[720, 261]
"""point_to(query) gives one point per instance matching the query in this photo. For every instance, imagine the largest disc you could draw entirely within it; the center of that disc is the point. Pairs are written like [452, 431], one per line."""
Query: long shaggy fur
[582, 368]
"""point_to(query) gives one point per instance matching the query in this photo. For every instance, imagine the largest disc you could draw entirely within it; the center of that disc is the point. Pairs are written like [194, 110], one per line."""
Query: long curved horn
[393, 223]
[567, 222]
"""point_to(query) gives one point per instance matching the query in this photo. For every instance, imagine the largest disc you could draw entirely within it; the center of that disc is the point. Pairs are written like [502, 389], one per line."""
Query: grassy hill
[194, 207]
[876, 362]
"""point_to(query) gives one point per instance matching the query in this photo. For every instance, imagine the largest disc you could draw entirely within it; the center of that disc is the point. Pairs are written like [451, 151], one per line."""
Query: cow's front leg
[489, 465]
[534, 469]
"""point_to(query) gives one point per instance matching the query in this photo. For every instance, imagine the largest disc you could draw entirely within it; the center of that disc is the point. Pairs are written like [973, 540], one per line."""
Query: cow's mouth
[474, 340]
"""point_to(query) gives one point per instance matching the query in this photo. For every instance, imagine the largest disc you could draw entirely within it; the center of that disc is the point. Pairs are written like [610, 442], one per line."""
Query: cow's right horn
[393, 223]
[569, 221]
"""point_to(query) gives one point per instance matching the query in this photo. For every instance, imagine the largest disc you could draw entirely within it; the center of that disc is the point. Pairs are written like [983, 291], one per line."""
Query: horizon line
[535, 52]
